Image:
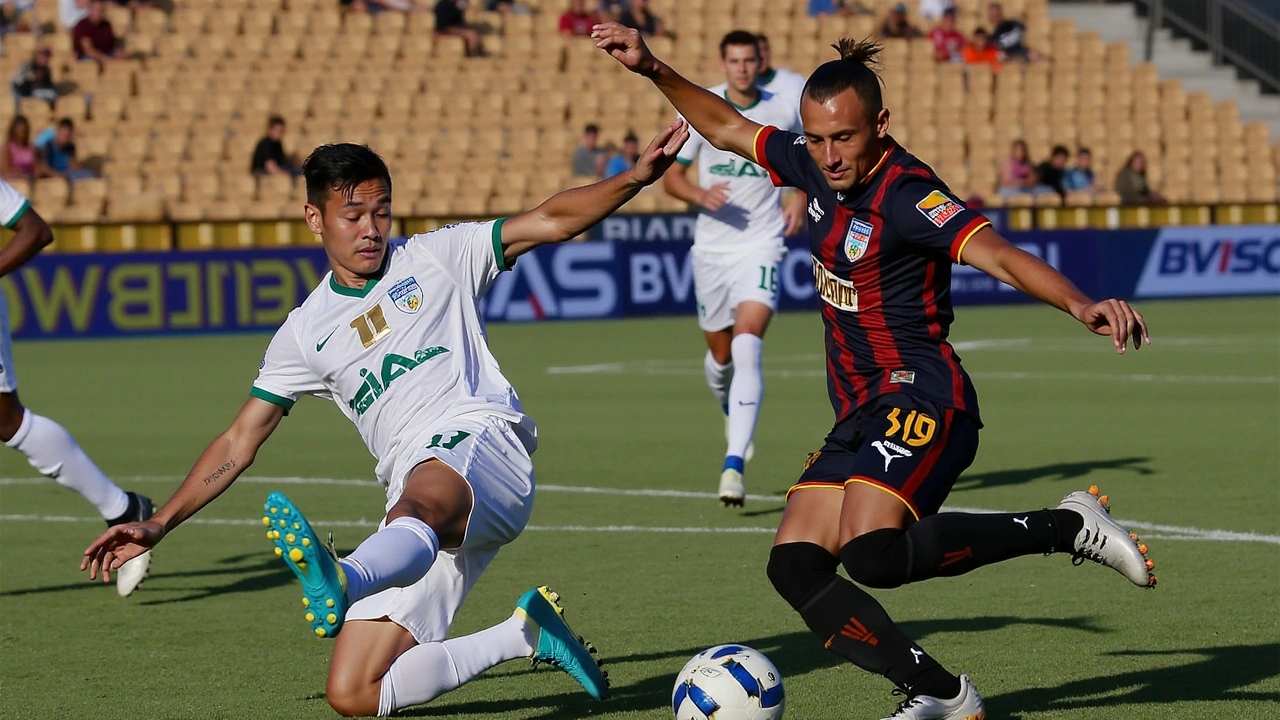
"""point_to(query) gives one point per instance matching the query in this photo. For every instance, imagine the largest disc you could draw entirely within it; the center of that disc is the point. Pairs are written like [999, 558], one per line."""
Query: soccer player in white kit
[779, 81]
[737, 247]
[393, 336]
[48, 446]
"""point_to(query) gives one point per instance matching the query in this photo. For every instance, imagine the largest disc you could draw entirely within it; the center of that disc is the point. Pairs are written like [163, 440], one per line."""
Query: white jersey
[753, 213]
[403, 353]
[786, 83]
[13, 205]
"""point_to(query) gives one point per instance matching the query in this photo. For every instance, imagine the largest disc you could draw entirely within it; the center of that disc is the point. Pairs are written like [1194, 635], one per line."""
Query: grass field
[1183, 435]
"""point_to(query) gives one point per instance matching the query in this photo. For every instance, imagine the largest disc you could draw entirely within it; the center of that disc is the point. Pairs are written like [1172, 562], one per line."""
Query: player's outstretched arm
[568, 214]
[31, 235]
[712, 116]
[230, 454]
[992, 254]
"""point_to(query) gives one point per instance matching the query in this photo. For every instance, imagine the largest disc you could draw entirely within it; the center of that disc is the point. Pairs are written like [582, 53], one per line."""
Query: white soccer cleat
[751, 446]
[131, 574]
[733, 491]
[965, 706]
[1106, 541]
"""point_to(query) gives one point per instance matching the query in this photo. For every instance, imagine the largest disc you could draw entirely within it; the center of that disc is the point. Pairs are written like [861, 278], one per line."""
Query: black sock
[949, 544]
[130, 512]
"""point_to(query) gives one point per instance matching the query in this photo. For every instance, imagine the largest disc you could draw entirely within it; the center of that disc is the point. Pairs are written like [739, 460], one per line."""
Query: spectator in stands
[948, 43]
[638, 16]
[1016, 174]
[896, 24]
[626, 159]
[71, 12]
[576, 21]
[818, 8]
[1050, 172]
[588, 159]
[450, 21]
[93, 37]
[1080, 177]
[1131, 183]
[1008, 35]
[933, 10]
[57, 150]
[18, 160]
[34, 79]
[268, 156]
[980, 50]
[507, 7]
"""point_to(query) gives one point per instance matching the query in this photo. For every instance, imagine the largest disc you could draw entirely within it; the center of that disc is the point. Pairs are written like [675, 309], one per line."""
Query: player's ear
[882, 122]
[314, 223]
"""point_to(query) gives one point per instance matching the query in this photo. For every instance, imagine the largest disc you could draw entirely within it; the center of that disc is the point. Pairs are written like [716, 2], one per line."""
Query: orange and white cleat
[1105, 541]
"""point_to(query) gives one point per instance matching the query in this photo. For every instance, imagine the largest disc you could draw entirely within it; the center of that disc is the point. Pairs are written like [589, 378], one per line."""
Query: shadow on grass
[1053, 471]
[796, 654]
[1216, 674]
[255, 571]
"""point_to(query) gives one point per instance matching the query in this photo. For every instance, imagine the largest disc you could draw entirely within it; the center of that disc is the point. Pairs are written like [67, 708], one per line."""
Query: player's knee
[877, 559]
[799, 570]
[351, 695]
[11, 412]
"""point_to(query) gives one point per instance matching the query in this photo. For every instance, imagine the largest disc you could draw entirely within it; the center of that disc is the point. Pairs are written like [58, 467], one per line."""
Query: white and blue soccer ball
[728, 682]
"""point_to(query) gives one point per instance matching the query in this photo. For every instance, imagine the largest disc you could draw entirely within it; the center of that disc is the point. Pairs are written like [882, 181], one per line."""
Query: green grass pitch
[1183, 435]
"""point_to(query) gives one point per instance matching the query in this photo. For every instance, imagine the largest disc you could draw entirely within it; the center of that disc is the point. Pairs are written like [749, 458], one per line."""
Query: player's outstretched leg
[397, 555]
[54, 453]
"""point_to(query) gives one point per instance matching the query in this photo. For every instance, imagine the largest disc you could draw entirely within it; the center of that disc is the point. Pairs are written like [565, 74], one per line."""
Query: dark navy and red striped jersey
[882, 257]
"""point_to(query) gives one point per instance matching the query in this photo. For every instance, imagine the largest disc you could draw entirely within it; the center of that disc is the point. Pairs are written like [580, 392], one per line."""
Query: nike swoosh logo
[320, 345]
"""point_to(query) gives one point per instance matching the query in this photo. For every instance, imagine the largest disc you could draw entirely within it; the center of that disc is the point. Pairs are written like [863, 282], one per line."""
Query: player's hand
[625, 45]
[118, 545]
[1117, 319]
[661, 153]
[793, 218]
[715, 197]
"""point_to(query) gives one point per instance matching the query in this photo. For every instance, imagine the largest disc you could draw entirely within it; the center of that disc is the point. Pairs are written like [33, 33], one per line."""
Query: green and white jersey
[405, 353]
[786, 83]
[753, 213]
[13, 205]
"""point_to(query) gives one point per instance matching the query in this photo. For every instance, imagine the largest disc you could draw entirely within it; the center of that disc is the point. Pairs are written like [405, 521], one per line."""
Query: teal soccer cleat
[324, 584]
[558, 645]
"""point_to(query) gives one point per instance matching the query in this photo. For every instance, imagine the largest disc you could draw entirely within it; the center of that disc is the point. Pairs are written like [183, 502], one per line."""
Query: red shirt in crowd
[100, 35]
[947, 45]
[576, 24]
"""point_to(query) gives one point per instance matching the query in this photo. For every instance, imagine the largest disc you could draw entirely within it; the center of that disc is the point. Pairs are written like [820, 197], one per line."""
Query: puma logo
[1023, 522]
[890, 451]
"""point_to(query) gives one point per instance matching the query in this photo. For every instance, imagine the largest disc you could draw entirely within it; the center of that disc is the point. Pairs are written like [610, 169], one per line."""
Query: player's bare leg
[746, 394]
[53, 452]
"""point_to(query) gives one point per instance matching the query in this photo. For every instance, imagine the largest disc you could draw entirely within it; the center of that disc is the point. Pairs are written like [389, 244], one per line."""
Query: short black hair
[1084, 151]
[592, 128]
[1060, 150]
[739, 37]
[275, 120]
[67, 122]
[631, 137]
[341, 167]
[762, 38]
[855, 69]
[980, 31]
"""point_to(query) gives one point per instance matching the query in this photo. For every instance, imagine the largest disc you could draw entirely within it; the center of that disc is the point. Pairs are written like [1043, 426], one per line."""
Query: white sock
[395, 556]
[53, 452]
[718, 378]
[428, 671]
[745, 395]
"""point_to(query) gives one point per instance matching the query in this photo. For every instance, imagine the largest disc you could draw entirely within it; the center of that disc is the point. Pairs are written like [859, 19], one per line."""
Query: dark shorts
[909, 447]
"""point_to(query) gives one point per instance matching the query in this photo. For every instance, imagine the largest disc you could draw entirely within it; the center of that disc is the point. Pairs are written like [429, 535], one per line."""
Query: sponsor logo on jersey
[835, 291]
[938, 208]
[857, 239]
[407, 295]
[393, 367]
[800, 140]
[907, 377]
[815, 210]
[737, 168]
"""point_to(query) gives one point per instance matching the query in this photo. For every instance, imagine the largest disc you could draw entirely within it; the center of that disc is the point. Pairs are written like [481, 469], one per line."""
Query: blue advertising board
[222, 291]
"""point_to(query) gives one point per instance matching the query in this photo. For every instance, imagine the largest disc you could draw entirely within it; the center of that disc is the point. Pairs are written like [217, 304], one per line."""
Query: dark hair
[13, 125]
[341, 167]
[274, 120]
[1084, 151]
[631, 137]
[66, 123]
[981, 31]
[739, 37]
[592, 128]
[762, 38]
[1060, 150]
[855, 69]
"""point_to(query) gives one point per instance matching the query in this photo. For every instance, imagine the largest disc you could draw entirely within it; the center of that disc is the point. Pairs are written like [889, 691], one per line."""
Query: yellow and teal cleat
[324, 585]
[558, 646]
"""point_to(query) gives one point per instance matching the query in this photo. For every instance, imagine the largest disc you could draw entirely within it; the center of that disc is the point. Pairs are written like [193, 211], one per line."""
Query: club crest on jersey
[857, 239]
[407, 295]
[938, 208]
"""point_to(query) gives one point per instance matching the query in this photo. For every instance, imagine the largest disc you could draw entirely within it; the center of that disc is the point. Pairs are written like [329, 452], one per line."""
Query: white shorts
[8, 380]
[721, 280]
[490, 454]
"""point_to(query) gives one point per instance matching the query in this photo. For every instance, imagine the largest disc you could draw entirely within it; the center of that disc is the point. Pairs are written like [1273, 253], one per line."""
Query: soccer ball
[728, 682]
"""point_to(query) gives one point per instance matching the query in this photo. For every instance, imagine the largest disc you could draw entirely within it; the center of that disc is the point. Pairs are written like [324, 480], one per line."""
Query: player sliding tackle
[393, 336]
[883, 231]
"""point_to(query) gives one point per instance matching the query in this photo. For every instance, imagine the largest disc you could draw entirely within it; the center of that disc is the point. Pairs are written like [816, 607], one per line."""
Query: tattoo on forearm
[226, 468]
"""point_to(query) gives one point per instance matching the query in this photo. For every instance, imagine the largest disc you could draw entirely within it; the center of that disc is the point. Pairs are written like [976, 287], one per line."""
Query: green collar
[740, 108]
[766, 78]
[368, 285]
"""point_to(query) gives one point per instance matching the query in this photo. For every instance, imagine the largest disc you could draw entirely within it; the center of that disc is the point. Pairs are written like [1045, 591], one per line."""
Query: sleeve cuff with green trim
[497, 244]
[272, 398]
[22, 210]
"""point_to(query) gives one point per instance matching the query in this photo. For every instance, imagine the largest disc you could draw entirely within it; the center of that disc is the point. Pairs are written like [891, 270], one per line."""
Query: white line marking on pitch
[1161, 531]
